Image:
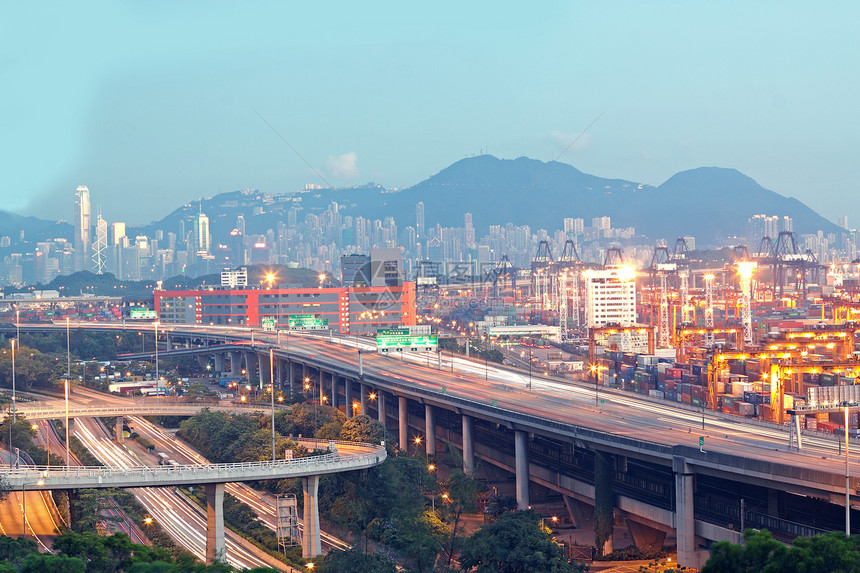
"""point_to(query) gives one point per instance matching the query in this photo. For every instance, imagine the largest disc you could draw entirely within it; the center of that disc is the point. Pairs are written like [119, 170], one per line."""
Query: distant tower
[100, 246]
[240, 224]
[470, 231]
[842, 221]
[82, 227]
[201, 231]
[419, 219]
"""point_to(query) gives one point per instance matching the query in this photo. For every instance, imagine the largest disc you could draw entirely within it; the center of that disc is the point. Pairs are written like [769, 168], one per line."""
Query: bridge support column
[219, 363]
[265, 370]
[402, 413]
[169, 345]
[579, 513]
[291, 375]
[322, 386]
[362, 397]
[279, 373]
[429, 430]
[251, 365]
[645, 538]
[235, 364]
[335, 403]
[685, 521]
[347, 397]
[215, 545]
[468, 445]
[604, 502]
[521, 447]
[380, 409]
[202, 360]
[118, 428]
[311, 545]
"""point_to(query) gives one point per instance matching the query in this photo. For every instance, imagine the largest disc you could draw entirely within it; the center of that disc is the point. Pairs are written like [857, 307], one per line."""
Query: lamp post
[24, 504]
[847, 480]
[14, 404]
[272, 373]
[67, 386]
[157, 379]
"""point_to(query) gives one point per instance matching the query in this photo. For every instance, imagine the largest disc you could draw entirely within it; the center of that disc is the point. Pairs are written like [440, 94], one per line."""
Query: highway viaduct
[644, 461]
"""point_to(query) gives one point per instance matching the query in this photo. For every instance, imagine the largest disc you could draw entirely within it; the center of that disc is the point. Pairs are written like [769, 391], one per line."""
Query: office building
[82, 228]
[610, 296]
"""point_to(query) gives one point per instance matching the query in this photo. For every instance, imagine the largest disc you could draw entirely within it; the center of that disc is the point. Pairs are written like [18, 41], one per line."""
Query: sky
[156, 104]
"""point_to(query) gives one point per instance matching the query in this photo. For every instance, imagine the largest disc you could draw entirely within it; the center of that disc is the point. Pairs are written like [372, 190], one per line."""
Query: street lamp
[67, 385]
[39, 483]
[847, 480]
[272, 373]
[14, 405]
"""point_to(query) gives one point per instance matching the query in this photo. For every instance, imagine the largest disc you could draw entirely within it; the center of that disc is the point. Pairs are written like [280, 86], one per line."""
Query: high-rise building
[470, 231]
[201, 234]
[118, 233]
[100, 246]
[82, 228]
[842, 221]
[610, 296]
[419, 219]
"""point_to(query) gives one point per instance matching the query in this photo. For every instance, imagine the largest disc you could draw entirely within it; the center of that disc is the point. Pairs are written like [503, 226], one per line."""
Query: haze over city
[155, 104]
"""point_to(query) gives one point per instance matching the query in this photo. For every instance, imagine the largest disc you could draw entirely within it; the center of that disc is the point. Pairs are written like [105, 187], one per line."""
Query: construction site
[764, 332]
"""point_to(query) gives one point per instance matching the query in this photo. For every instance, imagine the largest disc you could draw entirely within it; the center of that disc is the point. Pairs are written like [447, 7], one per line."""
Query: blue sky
[154, 104]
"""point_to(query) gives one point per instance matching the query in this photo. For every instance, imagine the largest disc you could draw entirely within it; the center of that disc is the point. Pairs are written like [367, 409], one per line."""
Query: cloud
[343, 166]
[576, 141]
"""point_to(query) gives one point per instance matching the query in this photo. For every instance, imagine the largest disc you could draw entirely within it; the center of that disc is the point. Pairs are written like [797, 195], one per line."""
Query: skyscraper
[470, 231]
[201, 232]
[419, 218]
[82, 228]
[100, 246]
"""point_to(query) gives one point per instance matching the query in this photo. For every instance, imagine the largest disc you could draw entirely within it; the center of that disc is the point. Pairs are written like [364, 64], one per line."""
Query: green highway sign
[392, 332]
[268, 322]
[142, 314]
[701, 441]
[444, 390]
[306, 321]
[388, 342]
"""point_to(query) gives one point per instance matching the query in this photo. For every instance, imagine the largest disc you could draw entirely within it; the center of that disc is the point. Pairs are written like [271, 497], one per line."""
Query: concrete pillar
[334, 403]
[521, 446]
[219, 363]
[304, 374]
[235, 364]
[118, 428]
[279, 373]
[321, 392]
[429, 430]
[202, 360]
[580, 514]
[645, 538]
[380, 405]
[347, 397]
[402, 413]
[216, 549]
[169, 345]
[468, 445]
[685, 521]
[265, 370]
[363, 398]
[291, 376]
[250, 365]
[311, 546]
[604, 502]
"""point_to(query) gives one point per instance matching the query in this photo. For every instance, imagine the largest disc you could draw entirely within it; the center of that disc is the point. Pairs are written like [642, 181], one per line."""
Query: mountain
[34, 229]
[709, 203]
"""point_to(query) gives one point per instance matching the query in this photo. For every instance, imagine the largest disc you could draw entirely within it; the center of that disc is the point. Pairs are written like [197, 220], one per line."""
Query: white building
[82, 228]
[610, 296]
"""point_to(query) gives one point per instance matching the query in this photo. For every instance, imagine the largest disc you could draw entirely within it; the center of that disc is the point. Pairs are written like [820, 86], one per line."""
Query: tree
[515, 543]
[365, 429]
[461, 496]
[354, 559]
[41, 562]
[761, 553]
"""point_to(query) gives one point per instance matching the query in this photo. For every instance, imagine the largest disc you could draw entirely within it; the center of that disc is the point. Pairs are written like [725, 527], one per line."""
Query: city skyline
[641, 92]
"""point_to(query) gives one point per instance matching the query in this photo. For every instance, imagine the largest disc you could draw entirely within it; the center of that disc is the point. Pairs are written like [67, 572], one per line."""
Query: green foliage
[515, 543]
[354, 559]
[306, 419]
[32, 368]
[41, 562]
[365, 429]
[761, 553]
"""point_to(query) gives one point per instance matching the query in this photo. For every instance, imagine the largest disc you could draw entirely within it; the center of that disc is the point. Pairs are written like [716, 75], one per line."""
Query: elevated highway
[661, 477]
